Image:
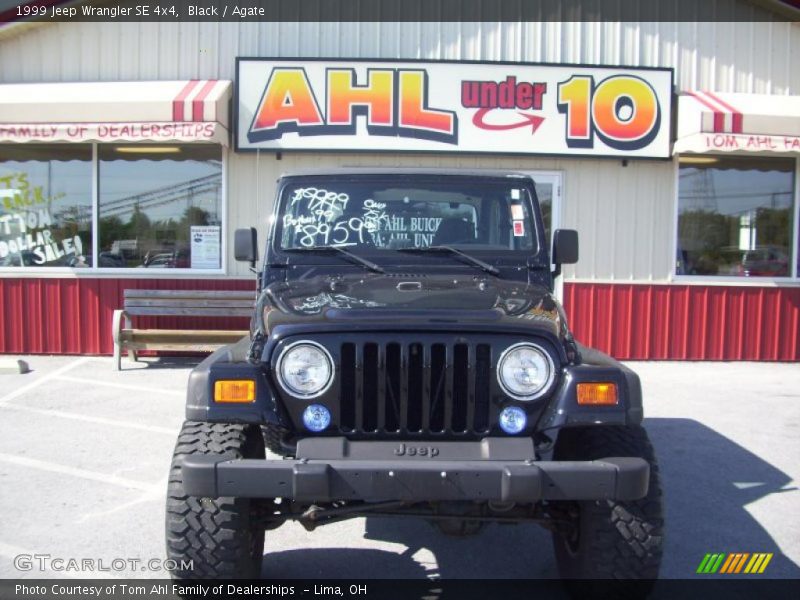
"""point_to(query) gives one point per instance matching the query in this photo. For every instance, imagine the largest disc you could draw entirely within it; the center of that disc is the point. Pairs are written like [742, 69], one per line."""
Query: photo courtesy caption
[212, 590]
[124, 589]
[64, 590]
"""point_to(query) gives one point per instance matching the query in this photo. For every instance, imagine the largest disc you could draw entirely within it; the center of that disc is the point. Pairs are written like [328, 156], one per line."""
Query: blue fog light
[316, 417]
[513, 419]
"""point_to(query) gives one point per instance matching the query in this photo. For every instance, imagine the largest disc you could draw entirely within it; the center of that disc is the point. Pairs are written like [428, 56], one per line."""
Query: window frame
[132, 273]
[792, 278]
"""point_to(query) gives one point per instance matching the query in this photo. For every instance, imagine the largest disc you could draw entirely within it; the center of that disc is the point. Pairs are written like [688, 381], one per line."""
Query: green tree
[139, 223]
[111, 229]
[773, 227]
[191, 216]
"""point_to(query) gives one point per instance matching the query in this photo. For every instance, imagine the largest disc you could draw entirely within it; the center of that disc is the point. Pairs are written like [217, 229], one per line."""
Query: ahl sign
[504, 108]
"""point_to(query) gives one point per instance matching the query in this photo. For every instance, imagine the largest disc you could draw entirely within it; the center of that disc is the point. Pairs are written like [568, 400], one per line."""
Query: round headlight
[305, 369]
[525, 371]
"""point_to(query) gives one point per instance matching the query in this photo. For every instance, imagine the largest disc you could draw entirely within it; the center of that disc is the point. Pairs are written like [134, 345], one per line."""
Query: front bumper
[496, 469]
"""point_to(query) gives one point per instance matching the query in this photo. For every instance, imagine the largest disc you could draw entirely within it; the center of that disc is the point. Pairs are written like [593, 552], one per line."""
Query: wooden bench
[183, 303]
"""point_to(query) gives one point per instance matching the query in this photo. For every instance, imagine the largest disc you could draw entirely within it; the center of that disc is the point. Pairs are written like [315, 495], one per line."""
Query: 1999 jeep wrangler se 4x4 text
[407, 357]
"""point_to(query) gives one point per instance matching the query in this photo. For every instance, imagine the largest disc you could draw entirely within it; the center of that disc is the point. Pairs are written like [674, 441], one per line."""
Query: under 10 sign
[453, 107]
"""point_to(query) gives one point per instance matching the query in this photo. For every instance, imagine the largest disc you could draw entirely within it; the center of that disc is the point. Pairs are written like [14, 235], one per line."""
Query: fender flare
[230, 362]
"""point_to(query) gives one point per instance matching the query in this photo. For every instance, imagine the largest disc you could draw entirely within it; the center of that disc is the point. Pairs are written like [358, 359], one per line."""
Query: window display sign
[45, 207]
[205, 247]
[503, 108]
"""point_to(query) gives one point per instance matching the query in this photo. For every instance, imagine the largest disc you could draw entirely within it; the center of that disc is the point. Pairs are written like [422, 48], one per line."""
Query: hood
[428, 298]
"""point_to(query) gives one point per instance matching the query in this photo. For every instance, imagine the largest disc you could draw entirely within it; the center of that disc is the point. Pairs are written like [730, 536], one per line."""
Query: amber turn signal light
[235, 390]
[597, 393]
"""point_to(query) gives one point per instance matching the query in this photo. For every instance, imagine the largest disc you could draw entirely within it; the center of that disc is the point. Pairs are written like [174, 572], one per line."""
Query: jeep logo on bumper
[429, 451]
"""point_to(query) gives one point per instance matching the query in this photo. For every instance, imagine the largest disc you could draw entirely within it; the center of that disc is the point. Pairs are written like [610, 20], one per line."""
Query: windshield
[383, 215]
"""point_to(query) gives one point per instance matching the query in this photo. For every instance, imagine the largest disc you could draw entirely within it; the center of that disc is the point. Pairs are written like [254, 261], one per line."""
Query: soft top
[406, 171]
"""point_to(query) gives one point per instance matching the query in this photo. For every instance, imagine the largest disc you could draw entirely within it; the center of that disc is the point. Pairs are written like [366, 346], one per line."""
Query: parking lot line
[43, 379]
[122, 386]
[75, 472]
[151, 496]
[88, 419]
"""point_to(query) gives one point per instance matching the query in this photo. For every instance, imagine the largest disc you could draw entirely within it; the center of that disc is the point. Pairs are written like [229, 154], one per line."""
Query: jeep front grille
[416, 388]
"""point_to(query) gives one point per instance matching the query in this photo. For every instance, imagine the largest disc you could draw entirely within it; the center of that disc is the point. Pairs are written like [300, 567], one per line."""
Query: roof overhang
[743, 123]
[114, 112]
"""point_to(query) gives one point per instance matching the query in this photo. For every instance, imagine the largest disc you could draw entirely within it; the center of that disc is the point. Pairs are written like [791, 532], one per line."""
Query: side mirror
[245, 245]
[565, 249]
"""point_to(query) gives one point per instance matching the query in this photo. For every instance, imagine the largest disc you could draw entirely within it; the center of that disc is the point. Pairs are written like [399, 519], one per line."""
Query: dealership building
[131, 151]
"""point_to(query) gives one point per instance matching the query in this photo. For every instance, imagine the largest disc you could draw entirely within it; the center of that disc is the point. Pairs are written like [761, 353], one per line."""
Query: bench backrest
[189, 303]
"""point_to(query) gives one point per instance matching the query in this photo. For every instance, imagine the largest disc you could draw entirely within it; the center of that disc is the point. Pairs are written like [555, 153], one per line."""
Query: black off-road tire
[217, 535]
[274, 436]
[615, 540]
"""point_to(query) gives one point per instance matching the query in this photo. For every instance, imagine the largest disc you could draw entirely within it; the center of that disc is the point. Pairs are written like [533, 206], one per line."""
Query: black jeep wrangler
[407, 357]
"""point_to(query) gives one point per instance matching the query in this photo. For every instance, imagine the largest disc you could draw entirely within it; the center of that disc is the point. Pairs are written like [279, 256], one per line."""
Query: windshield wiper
[450, 250]
[367, 264]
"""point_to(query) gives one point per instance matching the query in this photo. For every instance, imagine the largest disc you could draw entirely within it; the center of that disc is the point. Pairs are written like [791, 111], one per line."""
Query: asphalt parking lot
[84, 454]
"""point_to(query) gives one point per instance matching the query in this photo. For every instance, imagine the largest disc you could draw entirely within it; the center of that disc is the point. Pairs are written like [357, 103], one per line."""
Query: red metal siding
[73, 316]
[686, 322]
[629, 321]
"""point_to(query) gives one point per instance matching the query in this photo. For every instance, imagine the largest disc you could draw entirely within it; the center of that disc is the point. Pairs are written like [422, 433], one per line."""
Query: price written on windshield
[320, 219]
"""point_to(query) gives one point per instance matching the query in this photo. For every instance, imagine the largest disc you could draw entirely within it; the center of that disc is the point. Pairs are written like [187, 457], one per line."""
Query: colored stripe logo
[734, 562]
[192, 96]
[727, 119]
[736, 118]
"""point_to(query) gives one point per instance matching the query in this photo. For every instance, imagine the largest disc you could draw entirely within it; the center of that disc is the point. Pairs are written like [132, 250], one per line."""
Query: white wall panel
[108, 61]
[727, 57]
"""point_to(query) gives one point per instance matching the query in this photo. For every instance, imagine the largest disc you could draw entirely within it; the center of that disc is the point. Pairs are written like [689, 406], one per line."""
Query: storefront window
[735, 216]
[45, 205]
[160, 206]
